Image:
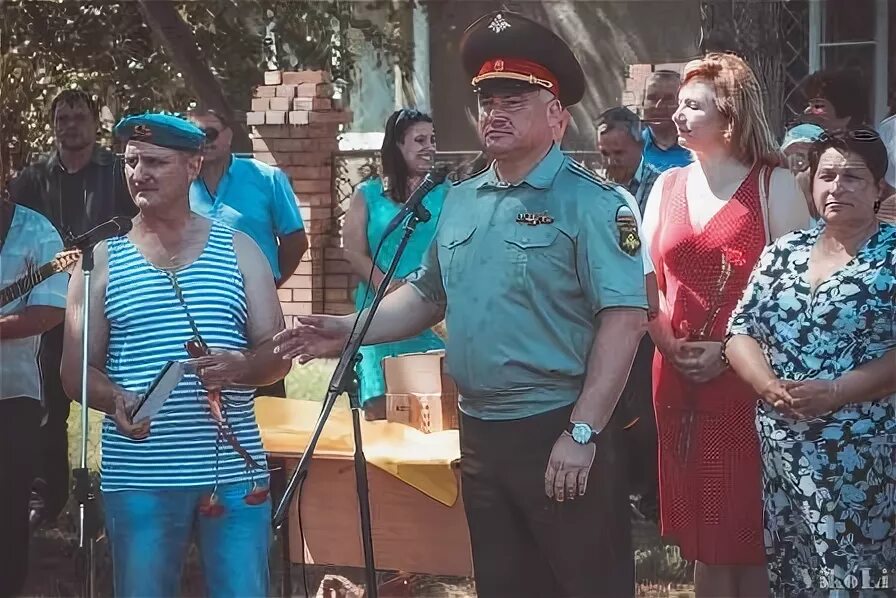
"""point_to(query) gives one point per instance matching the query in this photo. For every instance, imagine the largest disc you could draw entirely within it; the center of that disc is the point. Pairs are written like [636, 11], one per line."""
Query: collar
[540, 177]
[100, 157]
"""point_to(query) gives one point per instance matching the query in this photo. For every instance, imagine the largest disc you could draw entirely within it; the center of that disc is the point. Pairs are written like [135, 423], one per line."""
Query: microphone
[414, 204]
[116, 227]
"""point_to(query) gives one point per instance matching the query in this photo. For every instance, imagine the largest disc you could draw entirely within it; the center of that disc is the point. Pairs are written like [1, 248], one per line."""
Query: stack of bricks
[295, 123]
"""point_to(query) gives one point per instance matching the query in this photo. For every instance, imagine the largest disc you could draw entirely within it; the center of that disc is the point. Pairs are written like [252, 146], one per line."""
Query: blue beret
[165, 130]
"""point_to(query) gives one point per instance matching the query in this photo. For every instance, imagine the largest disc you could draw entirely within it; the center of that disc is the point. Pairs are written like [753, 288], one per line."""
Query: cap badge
[499, 23]
[142, 132]
[499, 65]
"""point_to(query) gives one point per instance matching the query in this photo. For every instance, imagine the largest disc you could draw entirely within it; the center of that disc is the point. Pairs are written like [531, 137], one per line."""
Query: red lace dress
[709, 467]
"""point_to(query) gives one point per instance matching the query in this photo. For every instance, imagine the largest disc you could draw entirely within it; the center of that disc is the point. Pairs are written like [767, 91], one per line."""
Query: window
[853, 35]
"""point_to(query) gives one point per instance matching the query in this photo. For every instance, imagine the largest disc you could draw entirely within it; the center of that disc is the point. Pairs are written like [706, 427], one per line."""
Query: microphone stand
[88, 519]
[344, 380]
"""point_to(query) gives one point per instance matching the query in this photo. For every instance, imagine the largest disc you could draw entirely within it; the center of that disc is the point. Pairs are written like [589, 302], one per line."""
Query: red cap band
[518, 70]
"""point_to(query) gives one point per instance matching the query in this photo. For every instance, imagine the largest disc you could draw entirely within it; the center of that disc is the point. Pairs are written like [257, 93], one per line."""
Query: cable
[302, 541]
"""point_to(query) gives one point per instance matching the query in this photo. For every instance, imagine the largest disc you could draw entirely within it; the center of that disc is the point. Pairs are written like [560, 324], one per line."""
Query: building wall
[606, 37]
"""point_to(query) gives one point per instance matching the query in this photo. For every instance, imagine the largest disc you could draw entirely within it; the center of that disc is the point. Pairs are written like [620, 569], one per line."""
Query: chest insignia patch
[534, 219]
[627, 227]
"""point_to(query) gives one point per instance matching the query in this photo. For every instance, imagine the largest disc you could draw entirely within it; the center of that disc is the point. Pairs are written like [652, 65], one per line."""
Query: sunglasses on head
[855, 134]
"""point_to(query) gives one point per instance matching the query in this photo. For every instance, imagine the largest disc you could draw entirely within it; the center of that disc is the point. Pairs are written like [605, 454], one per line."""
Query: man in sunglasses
[252, 197]
[537, 267]
[178, 288]
[249, 196]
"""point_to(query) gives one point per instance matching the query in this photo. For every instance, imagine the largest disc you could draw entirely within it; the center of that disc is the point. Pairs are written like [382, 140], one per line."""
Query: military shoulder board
[587, 174]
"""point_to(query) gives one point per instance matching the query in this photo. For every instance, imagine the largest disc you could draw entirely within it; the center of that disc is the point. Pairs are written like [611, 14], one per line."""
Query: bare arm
[356, 249]
[402, 314]
[869, 382]
[749, 362]
[619, 330]
[787, 208]
[292, 247]
[265, 317]
[31, 321]
[102, 393]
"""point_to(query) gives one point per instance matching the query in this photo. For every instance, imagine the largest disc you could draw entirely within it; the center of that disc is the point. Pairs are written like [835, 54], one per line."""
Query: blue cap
[802, 133]
[164, 130]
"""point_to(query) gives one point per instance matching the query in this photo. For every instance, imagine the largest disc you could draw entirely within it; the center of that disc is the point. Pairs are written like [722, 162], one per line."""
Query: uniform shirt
[254, 198]
[75, 202]
[521, 300]
[31, 242]
[664, 159]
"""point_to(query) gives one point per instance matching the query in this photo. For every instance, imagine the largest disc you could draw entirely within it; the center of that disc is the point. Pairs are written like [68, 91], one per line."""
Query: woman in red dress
[706, 225]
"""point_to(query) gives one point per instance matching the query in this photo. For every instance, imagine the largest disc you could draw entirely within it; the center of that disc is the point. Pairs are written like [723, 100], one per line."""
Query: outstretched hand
[312, 337]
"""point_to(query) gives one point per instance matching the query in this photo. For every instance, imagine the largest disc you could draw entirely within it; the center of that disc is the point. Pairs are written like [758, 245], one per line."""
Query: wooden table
[411, 532]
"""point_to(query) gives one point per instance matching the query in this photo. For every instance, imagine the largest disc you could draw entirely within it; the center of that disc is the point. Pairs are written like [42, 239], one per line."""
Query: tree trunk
[180, 45]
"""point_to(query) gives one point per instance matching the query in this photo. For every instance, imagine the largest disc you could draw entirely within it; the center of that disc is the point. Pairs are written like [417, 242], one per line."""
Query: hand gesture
[220, 368]
[313, 337]
[812, 398]
[777, 394]
[700, 361]
[125, 404]
[568, 467]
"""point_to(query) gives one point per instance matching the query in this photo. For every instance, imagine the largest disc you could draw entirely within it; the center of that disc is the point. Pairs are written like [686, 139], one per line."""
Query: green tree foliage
[127, 62]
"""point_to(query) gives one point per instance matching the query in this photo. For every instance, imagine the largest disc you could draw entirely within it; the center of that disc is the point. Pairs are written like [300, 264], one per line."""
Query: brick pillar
[294, 125]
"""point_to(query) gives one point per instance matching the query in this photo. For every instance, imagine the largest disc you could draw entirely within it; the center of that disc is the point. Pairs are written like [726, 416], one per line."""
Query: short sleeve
[645, 245]
[287, 218]
[52, 291]
[609, 276]
[427, 279]
[745, 317]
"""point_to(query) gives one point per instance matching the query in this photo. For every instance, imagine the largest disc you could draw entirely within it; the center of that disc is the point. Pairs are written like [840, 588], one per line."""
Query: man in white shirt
[887, 130]
[27, 241]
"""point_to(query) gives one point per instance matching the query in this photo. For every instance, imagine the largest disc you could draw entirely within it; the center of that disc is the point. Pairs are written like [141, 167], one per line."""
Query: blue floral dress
[829, 482]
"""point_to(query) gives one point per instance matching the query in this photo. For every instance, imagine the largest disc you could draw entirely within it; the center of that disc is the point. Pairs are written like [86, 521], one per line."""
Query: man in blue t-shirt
[252, 197]
[661, 149]
[249, 196]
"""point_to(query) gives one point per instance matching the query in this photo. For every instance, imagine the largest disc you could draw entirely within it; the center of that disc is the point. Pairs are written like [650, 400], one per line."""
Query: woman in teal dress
[407, 155]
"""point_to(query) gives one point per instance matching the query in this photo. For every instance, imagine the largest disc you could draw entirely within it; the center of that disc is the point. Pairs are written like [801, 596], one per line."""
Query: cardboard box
[419, 393]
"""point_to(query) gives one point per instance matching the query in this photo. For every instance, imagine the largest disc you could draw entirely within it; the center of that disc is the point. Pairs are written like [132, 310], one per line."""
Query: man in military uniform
[537, 267]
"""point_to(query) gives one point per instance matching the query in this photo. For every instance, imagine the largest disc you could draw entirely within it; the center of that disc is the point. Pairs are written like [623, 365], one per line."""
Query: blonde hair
[739, 101]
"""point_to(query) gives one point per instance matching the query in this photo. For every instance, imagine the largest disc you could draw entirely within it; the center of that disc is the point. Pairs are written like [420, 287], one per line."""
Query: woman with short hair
[815, 337]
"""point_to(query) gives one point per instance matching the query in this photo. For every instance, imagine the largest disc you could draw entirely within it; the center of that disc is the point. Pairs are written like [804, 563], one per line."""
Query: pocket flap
[533, 237]
[452, 238]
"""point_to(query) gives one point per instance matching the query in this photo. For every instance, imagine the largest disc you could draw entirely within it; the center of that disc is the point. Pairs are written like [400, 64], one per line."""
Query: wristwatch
[581, 432]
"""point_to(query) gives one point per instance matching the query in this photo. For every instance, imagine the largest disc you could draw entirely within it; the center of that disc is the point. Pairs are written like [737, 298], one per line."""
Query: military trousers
[528, 545]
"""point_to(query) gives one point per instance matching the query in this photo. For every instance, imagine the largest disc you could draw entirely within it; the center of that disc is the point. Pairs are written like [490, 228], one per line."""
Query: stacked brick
[295, 123]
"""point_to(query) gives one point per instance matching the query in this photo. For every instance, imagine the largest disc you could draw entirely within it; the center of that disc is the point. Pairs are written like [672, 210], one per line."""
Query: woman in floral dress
[815, 337]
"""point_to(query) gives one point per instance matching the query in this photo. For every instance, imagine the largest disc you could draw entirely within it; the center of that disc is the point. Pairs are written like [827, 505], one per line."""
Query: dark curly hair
[395, 171]
[845, 89]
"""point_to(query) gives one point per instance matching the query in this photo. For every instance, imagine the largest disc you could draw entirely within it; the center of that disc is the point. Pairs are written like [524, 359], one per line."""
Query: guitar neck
[26, 282]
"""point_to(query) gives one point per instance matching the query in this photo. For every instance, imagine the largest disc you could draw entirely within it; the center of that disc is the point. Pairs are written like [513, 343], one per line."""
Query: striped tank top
[148, 327]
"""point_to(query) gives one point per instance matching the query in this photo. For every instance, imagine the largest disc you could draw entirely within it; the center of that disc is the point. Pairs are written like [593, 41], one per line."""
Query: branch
[180, 45]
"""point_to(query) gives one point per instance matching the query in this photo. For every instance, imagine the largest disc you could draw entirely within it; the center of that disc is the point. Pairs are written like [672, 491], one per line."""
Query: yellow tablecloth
[423, 461]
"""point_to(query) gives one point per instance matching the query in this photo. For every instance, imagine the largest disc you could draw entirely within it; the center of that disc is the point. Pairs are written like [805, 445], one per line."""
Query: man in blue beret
[537, 268]
[178, 287]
